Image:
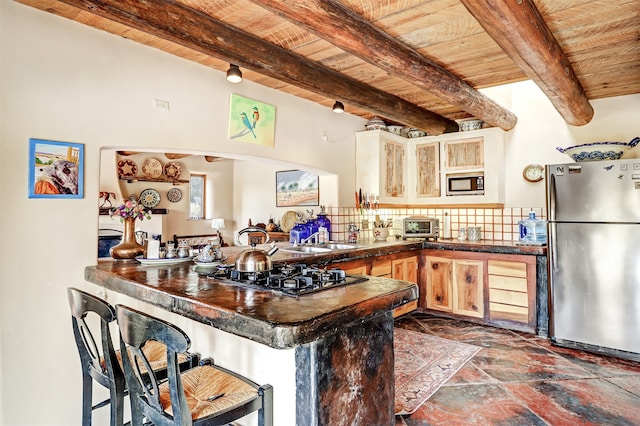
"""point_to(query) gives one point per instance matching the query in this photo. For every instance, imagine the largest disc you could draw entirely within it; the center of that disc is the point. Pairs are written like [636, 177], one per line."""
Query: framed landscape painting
[251, 121]
[56, 169]
[297, 188]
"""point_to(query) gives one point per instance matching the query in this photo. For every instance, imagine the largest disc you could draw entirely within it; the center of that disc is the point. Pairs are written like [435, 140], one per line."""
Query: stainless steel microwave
[465, 184]
[420, 227]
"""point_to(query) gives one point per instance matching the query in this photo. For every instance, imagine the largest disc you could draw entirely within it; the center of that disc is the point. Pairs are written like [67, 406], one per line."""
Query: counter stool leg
[265, 414]
[117, 403]
[87, 392]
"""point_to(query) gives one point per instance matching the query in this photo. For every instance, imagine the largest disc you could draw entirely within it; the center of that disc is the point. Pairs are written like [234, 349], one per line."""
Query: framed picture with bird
[251, 121]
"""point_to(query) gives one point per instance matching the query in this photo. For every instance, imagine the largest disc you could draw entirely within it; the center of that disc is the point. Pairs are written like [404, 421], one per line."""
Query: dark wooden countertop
[260, 315]
[487, 246]
[276, 320]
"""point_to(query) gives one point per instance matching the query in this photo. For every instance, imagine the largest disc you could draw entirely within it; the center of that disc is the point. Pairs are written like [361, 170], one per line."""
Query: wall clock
[533, 172]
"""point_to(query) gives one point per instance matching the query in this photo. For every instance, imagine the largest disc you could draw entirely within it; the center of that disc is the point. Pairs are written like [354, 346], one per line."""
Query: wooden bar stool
[103, 362]
[204, 395]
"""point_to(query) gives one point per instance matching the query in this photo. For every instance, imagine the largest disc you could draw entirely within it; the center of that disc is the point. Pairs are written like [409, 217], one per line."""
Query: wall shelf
[104, 211]
[157, 180]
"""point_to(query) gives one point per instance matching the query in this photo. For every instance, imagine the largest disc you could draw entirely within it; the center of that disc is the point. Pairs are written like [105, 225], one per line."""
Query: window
[196, 196]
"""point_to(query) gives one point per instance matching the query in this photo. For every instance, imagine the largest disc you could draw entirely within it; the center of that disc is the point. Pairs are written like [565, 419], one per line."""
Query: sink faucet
[311, 237]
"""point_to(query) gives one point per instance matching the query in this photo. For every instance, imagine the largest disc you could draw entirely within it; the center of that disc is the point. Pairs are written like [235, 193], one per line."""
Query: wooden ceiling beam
[520, 30]
[344, 28]
[187, 27]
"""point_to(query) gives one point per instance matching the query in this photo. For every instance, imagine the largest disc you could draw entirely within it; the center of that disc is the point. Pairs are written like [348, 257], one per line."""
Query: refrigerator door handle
[552, 246]
[551, 208]
[551, 224]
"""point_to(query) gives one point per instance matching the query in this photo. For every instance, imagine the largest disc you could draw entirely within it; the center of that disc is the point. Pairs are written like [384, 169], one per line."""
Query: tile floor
[520, 379]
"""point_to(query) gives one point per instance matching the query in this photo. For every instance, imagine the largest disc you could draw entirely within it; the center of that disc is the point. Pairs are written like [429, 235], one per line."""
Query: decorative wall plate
[172, 170]
[174, 195]
[150, 198]
[127, 169]
[152, 168]
[288, 221]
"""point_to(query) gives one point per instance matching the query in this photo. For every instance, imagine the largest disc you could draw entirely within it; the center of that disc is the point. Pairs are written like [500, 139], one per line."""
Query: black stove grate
[290, 280]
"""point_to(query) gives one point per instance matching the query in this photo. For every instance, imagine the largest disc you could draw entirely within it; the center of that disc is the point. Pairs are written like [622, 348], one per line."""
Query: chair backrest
[136, 328]
[93, 356]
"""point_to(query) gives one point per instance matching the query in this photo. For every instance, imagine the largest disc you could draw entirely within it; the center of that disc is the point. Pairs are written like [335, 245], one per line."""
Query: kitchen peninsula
[343, 337]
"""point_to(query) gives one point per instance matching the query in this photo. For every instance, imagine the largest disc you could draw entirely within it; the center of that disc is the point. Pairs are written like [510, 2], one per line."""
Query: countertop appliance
[465, 184]
[420, 227]
[594, 255]
[289, 280]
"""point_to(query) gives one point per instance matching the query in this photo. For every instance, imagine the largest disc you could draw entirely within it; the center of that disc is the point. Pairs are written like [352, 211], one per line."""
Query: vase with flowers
[128, 212]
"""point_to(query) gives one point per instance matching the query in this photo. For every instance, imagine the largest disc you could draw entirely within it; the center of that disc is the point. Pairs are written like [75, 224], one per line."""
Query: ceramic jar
[473, 233]
[380, 234]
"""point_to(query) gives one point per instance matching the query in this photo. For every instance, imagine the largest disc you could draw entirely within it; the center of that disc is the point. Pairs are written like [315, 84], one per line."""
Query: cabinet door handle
[468, 279]
[439, 298]
[474, 307]
[434, 266]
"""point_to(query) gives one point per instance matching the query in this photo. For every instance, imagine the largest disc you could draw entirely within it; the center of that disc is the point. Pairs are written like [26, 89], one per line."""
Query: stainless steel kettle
[254, 260]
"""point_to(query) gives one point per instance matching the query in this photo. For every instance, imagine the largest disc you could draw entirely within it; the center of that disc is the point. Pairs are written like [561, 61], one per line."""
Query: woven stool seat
[209, 390]
[155, 352]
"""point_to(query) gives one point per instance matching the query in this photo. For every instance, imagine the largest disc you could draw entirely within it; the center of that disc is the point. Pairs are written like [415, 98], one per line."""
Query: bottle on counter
[323, 235]
[353, 233]
[533, 230]
[322, 221]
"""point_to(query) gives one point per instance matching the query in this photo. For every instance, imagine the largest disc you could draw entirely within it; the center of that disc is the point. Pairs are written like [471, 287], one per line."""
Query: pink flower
[131, 209]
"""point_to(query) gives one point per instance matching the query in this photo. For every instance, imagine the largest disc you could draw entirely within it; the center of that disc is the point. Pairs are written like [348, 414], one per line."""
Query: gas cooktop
[290, 280]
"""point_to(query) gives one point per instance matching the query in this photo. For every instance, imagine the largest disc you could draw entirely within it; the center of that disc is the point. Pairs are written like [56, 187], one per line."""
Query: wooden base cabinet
[508, 290]
[455, 285]
[497, 289]
[439, 273]
[468, 288]
[399, 266]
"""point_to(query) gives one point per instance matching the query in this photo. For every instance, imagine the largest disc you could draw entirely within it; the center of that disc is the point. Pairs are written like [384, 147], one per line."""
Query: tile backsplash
[495, 224]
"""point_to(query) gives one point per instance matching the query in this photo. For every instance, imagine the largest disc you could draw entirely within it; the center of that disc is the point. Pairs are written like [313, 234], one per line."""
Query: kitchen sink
[306, 249]
[337, 246]
[319, 248]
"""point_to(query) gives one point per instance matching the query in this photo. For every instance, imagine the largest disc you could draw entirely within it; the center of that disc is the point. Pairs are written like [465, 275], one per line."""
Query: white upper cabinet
[454, 168]
[381, 166]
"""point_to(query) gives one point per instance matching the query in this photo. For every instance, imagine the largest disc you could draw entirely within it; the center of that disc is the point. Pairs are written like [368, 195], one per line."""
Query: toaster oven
[420, 227]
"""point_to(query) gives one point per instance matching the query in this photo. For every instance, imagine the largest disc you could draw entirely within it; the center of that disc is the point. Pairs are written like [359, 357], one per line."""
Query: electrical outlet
[324, 136]
[160, 104]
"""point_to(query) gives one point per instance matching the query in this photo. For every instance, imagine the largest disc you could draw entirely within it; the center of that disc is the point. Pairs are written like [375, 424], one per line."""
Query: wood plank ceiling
[412, 62]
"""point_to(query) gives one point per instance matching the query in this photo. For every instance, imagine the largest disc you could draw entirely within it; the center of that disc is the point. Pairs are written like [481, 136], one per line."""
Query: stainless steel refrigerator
[594, 255]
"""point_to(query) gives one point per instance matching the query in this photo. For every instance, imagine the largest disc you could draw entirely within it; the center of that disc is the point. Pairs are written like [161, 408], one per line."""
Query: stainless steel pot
[254, 260]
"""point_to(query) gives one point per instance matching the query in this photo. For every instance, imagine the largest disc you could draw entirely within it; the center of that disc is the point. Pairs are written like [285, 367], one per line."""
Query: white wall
[540, 129]
[64, 81]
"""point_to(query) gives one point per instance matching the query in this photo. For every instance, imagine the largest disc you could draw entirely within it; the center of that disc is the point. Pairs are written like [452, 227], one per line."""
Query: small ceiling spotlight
[234, 75]
[338, 107]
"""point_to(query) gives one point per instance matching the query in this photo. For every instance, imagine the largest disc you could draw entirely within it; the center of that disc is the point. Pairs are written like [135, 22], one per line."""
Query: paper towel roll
[153, 249]
[446, 231]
